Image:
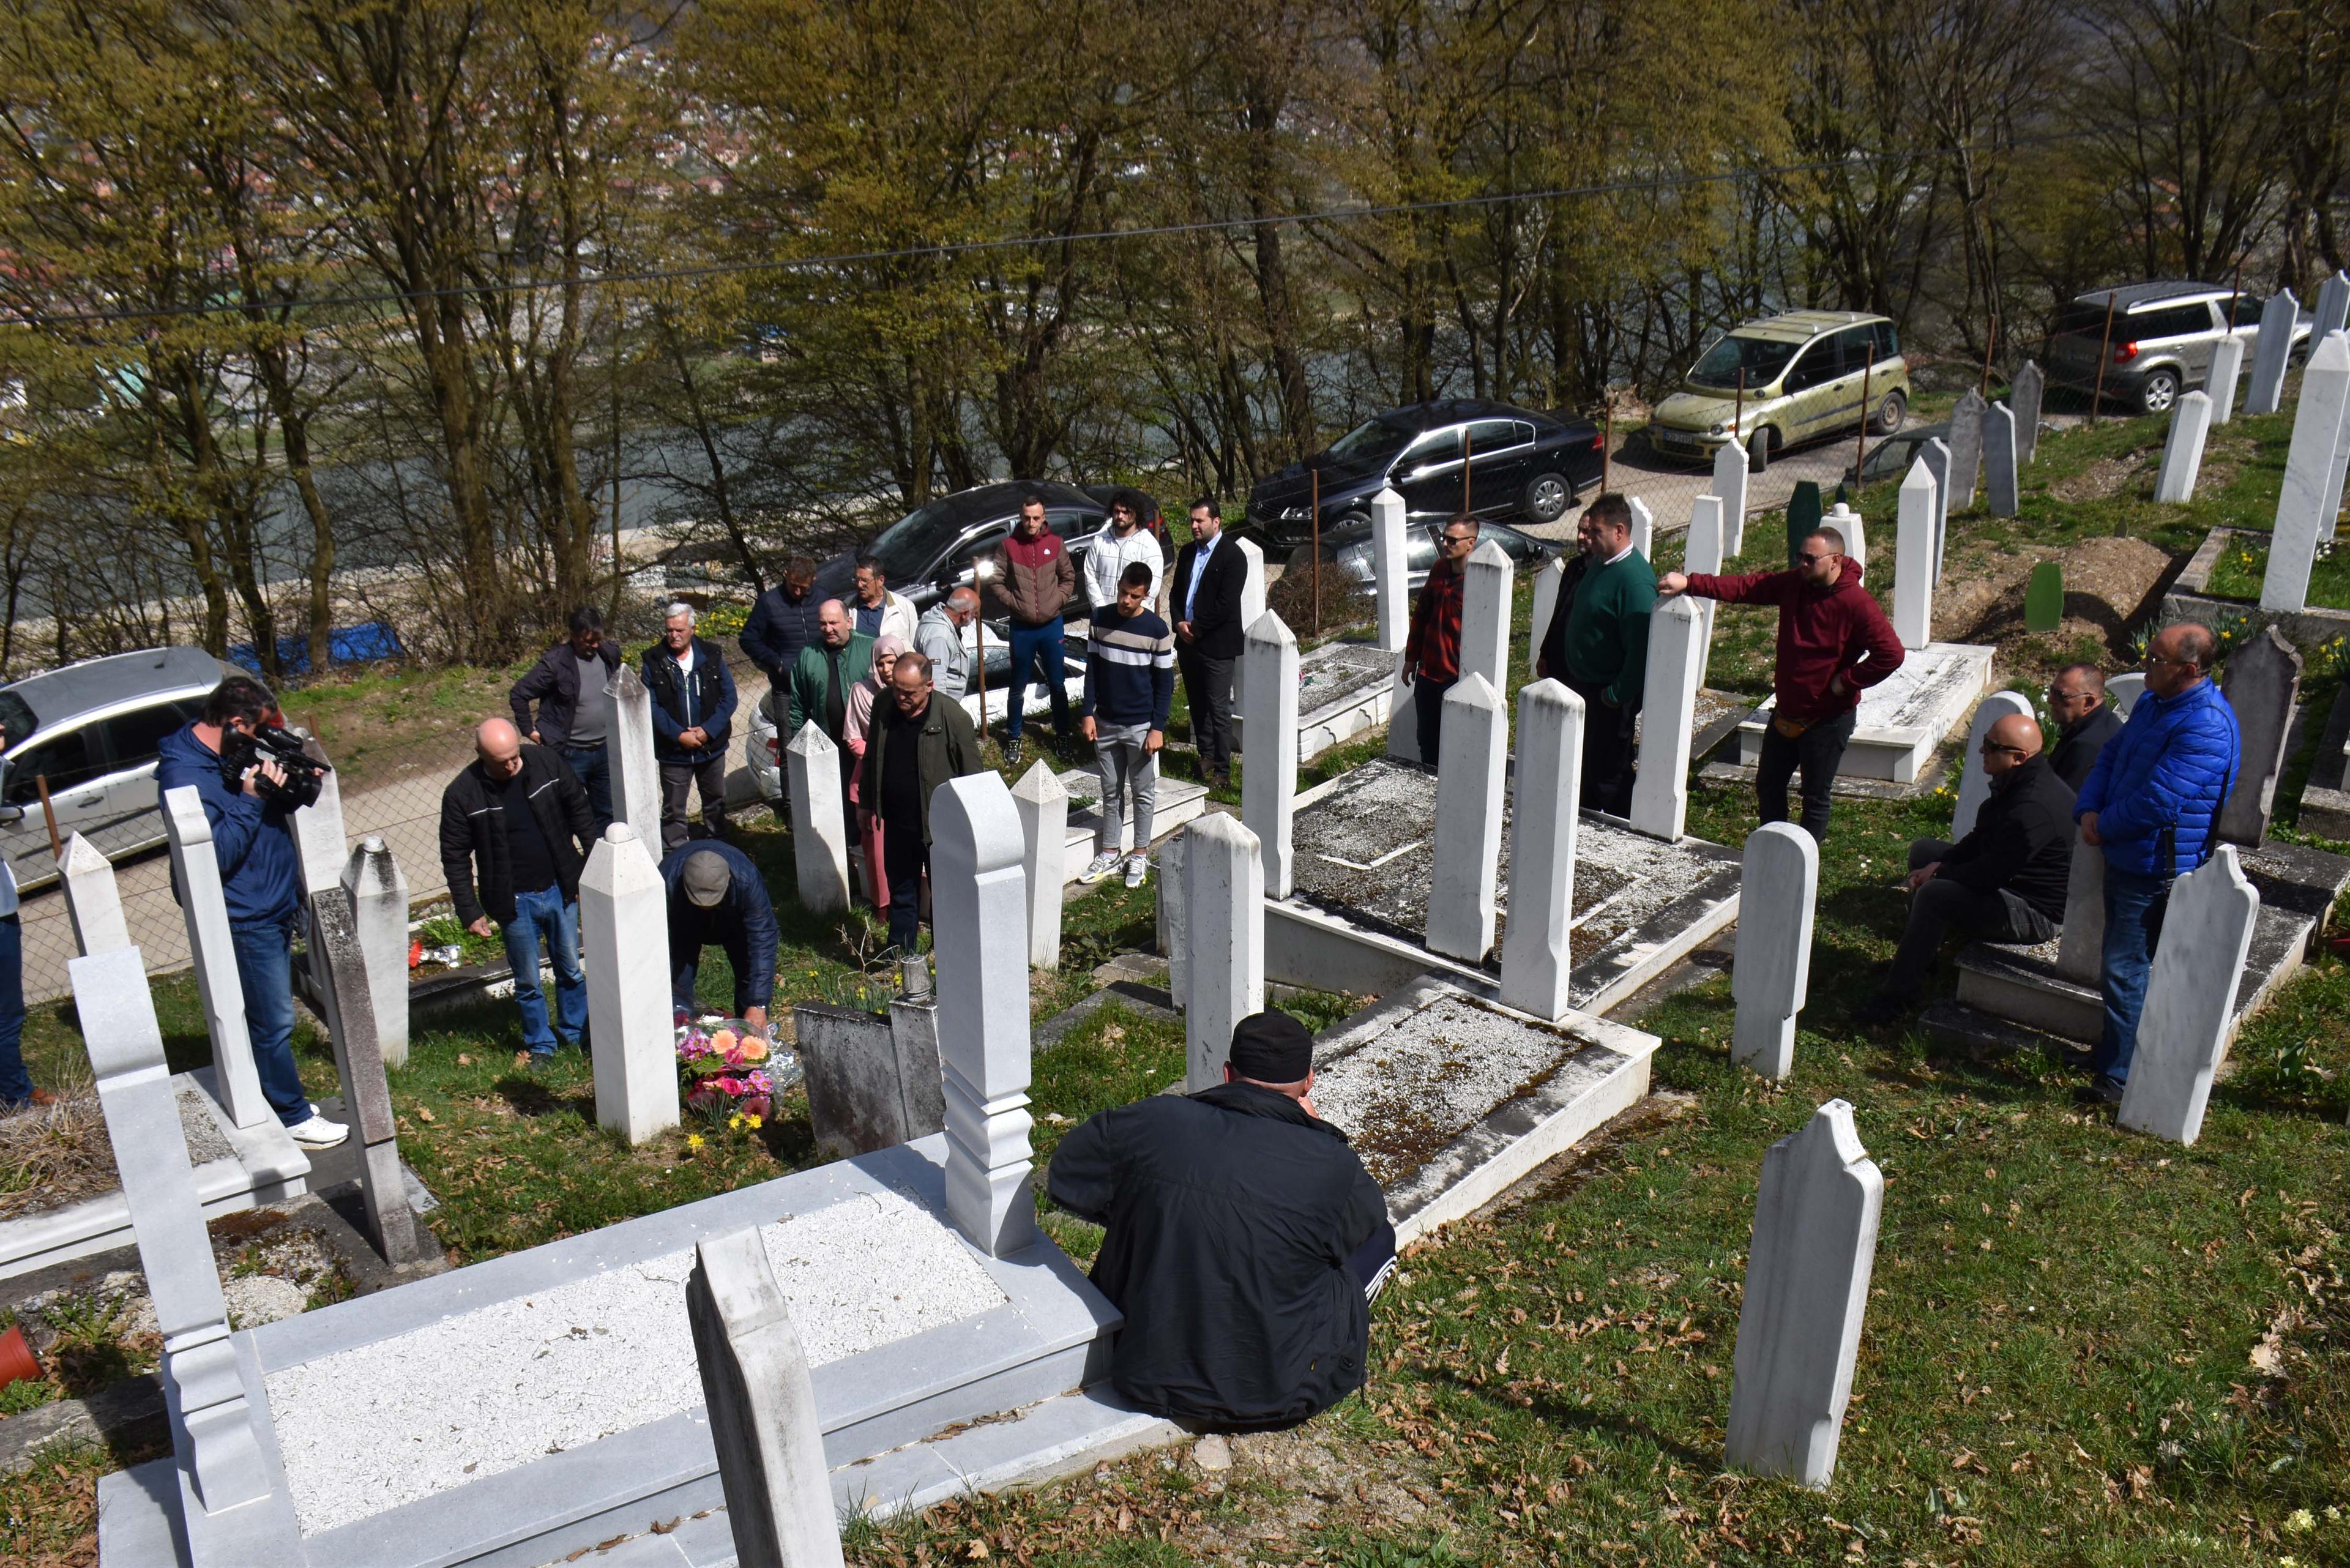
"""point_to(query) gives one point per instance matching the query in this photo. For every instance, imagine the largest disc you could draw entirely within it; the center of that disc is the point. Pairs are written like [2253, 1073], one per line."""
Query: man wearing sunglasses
[2003, 882]
[1431, 652]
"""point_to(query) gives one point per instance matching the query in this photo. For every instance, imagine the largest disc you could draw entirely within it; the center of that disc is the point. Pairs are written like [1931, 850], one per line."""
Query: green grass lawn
[2243, 565]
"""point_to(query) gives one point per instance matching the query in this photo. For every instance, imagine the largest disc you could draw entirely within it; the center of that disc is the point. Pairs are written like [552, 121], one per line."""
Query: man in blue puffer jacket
[2151, 802]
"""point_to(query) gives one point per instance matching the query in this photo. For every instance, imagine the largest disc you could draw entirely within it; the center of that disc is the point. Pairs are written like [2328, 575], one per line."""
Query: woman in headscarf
[861, 698]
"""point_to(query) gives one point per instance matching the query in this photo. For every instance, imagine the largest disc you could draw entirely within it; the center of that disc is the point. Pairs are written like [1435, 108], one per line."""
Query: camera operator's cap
[706, 877]
[1272, 1048]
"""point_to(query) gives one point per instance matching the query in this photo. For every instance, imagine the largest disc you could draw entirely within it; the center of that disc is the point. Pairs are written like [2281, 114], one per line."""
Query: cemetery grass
[2244, 562]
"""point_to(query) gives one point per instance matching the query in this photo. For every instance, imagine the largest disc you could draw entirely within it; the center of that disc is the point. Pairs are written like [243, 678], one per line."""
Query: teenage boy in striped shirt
[1130, 686]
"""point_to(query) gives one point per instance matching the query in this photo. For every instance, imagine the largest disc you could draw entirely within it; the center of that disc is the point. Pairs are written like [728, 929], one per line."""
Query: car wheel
[1547, 497]
[1891, 412]
[2158, 391]
[2297, 356]
[1764, 449]
[1301, 559]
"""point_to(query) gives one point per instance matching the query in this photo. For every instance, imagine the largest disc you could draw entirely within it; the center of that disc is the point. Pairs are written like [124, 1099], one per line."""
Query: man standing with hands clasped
[1598, 644]
[1432, 653]
[1130, 687]
[1032, 581]
[1209, 577]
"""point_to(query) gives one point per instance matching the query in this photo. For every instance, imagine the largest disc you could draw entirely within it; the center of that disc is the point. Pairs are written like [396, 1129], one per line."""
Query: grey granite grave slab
[2261, 683]
[2324, 803]
[1966, 451]
[1450, 1098]
[1902, 717]
[2024, 395]
[872, 1081]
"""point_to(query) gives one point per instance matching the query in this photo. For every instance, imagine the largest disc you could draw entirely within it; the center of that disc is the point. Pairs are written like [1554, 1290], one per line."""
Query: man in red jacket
[1834, 643]
[1432, 650]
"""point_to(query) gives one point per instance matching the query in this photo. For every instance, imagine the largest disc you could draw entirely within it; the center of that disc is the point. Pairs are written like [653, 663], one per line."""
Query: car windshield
[1761, 358]
[908, 546]
[1375, 440]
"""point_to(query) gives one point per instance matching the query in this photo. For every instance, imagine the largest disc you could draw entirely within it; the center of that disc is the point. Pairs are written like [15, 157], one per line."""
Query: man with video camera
[252, 817]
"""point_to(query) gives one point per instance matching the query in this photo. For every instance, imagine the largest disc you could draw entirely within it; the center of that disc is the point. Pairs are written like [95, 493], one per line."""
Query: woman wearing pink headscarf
[861, 698]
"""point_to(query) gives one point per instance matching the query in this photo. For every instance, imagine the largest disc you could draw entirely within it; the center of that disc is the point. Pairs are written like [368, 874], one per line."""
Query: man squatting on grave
[261, 883]
[716, 895]
[1833, 644]
[1598, 644]
[2003, 882]
[2151, 803]
[1245, 1241]
[517, 824]
[1129, 689]
[1431, 649]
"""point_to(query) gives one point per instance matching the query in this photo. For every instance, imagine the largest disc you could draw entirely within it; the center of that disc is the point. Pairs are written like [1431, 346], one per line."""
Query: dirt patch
[2109, 588]
[2108, 476]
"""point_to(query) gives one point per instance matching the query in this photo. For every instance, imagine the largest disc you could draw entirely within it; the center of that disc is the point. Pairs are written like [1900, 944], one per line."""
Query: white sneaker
[318, 1133]
[1103, 865]
[1138, 866]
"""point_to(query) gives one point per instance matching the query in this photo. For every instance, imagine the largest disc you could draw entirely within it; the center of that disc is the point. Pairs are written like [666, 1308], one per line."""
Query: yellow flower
[735, 1120]
[694, 1140]
[2300, 1520]
[753, 1123]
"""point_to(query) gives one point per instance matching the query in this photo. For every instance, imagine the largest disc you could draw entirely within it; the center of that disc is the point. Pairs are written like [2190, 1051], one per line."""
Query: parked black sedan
[932, 548]
[1490, 459]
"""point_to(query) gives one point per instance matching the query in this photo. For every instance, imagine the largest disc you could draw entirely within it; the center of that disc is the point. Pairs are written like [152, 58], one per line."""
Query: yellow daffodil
[753, 1123]
[694, 1140]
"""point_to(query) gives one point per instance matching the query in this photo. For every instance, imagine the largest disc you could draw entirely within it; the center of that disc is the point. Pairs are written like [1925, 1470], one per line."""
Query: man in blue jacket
[261, 881]
[2151, 803]
[715, 895]
[694, 713]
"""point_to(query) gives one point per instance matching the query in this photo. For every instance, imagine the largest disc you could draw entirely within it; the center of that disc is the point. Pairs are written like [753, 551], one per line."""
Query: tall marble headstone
[319, 839]
[366, 1093]
[196, 879]
[1223, 921]
[1966, 450]
[2024, 395]
[1390, 569]
[1546, 581]
[1403, 716]
[624, 947]
[1269, 778]
[1535, 960]
[1704, 551]
[1807, 1272]
[980, 923]
[2333, 311]
[1855, 529]
[1043, 807]
[1667, 709]
[1936, 455]
[819, 831]
[2271, 351]
[93, 898]
[1913, 562]
[377, 893]
[2190, 999]
[2307, 500]
[2263, 685]
[1252, 603]
[2219, 382]
[1644, 528]
[1485, 609]
[1974, 784]
[1470, 778]
[2182, 452]
[629, 757]
[1729, 475]
[1999, 459]
[761, 1407]
[1777, 890]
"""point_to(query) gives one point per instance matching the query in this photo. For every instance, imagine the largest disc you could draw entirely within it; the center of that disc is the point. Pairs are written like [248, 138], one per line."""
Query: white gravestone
[1777, 889]
[2182, 453]
[319, 840]
[1729, 474]
[1807, 1271]
[1251, 605]
[1644, 528]
[1913, 561]
[1703, 552]
[367, 1093]
[2081, 944]
[2271, 350]
[2329, 499]
[231, 1514]
[1999, 459]
[2024, 395]
[1668, 708]
[820, 832]
[93, 898]
[1966, 451]
[979, 915]
[2333, 311]
[762, 1406]
[1535, 960]
[1043, 807]
[1269, 779]
[196, 878]
[1847, 522]
[2219, 382]
[1486, 615]
[1974, 784]
[1547, 578]
[1390, 569]
[1936, 455]
[1224, 928]
[1469, 776]
[376, 894]
[2302, 517]
[2263, 685]
[2190, 1000]
[629, 755]
[2123, 690]
[624, 946]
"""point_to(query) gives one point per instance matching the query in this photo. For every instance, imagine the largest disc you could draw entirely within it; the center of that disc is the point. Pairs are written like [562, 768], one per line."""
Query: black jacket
[946, 746]
[2076, 754]
[713, 706]
[1232, 1214]
[2022, 840]
[473, 834]
[553, 683]
[778, 628]
[1216, 628]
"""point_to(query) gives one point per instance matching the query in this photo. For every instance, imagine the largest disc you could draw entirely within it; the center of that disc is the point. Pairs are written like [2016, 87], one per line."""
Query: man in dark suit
[2084, 718]
[1206, 606]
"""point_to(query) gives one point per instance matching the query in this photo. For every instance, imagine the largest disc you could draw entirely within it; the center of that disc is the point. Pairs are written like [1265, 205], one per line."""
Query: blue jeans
[2134, 904]
[592, 766]
[544, 916]
[265, 972]
[1031, 644]
[15, 1084]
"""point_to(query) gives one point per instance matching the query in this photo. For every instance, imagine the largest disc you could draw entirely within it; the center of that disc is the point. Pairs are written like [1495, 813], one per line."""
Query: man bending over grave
[2152, 803]
[1833, 644]
[1598, 645]
[1245, 1241]
[716, 895]
[2084, 719]
[2003, 882]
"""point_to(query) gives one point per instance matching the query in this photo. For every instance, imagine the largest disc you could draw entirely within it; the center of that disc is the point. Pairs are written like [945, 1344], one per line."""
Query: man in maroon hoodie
[1834, 643]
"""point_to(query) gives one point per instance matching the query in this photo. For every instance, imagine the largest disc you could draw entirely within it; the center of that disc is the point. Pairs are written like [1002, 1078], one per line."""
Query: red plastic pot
[16, 1357]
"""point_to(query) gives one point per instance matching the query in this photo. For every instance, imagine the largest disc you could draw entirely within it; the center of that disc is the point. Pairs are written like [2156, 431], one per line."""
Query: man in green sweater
[1597, 643]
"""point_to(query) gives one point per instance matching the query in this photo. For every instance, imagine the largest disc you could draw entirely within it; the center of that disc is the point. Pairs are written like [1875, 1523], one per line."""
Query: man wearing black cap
[1245, 1241]
[715, 895]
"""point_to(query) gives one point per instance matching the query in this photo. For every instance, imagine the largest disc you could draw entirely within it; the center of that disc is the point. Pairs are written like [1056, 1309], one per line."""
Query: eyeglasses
[1991, 746]
[1460, 539]
[1811, 560]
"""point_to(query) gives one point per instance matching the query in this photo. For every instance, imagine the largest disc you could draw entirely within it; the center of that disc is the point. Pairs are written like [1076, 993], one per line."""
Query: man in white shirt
[1122, 540]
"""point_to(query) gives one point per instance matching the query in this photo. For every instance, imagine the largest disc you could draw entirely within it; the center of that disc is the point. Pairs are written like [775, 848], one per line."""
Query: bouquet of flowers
[730, 1070]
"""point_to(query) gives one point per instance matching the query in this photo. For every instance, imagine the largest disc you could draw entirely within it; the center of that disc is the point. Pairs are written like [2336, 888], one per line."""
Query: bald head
[500, 746]
[2009, 744]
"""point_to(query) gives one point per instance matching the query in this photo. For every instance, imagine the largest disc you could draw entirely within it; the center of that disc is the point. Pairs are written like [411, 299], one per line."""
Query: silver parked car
[2157, 339]
[88, 732]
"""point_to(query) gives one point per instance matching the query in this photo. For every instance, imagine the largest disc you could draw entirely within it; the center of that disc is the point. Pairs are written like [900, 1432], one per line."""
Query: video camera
[241, 752]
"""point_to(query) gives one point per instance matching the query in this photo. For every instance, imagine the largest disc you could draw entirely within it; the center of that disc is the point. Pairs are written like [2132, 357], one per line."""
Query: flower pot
[16, 1357]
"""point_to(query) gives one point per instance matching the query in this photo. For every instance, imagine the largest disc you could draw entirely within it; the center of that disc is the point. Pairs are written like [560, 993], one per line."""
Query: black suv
[1518, 463]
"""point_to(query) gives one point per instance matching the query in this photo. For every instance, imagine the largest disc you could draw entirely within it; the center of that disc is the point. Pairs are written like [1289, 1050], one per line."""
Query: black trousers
[1607, 750]
[905, 856]
[1427, 708]
[1817, 751]
[677, 779]
[1208, 688]
[1941, 907]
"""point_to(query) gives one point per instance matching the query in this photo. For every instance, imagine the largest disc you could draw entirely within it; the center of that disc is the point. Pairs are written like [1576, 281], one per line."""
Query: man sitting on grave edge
[2003, 882]
[716, 895]
[1598, 644]
[2084, 719]
[1245, 1241]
